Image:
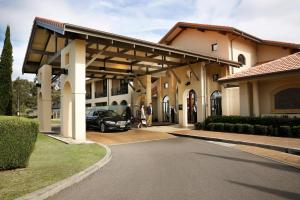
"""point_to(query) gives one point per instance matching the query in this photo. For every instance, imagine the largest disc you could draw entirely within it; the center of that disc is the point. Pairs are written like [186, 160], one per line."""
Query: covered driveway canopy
[107, 55]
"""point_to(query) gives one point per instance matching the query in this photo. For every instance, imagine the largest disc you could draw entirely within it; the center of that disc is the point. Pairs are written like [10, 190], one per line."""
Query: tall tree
[24, 96]
[5, 76]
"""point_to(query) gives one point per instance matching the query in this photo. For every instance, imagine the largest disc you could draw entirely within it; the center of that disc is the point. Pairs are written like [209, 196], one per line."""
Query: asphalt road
[183, 169]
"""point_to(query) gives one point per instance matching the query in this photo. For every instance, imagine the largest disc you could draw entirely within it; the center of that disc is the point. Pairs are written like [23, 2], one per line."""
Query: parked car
[106, 120]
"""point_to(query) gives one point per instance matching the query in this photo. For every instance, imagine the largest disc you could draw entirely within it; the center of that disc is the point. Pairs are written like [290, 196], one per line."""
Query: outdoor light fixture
[64, 71]
[188, 83]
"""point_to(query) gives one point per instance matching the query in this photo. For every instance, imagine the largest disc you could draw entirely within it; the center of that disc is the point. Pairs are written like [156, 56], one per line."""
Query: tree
[24, 96]
[5, 76]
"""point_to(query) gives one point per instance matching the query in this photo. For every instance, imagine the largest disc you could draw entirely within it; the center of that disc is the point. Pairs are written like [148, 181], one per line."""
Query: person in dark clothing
[195, 113]
[173, 112]
[128, 112]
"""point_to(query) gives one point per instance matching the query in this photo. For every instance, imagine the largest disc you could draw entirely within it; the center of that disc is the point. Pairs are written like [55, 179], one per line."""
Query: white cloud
[144, 19]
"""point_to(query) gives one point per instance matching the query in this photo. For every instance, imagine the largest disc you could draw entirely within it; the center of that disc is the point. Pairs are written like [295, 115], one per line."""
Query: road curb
[289, 150]
[53, 189]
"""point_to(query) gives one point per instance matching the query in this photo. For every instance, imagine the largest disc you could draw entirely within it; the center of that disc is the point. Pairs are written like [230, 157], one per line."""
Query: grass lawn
[50, 162]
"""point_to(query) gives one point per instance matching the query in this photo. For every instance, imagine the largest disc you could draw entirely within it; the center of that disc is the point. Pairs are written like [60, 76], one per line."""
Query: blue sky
[150, 20]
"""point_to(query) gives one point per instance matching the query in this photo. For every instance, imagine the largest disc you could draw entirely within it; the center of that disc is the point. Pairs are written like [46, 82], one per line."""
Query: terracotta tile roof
[50, 22]
[229, 29]
[282, 65]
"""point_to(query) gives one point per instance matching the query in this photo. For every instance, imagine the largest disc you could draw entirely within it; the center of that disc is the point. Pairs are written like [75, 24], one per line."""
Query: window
[216, 103]
[287, 99]
[214, 47]
[242, 59]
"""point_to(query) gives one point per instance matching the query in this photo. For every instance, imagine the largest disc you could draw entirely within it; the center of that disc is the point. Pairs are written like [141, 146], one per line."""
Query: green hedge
[266, 121]
[17, 139]
[274, 126]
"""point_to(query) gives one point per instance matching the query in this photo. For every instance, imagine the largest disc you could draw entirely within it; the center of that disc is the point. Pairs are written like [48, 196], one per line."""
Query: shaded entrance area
[216, 103]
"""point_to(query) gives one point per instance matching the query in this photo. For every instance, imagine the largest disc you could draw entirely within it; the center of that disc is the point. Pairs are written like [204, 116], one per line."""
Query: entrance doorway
[192, 106]
[216, 103]
[166, 107]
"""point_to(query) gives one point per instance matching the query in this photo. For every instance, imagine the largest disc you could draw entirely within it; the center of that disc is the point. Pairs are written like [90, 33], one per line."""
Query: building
[192, 68]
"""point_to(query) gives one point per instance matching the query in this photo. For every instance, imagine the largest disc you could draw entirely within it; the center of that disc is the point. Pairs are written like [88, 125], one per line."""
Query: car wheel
[102, 127]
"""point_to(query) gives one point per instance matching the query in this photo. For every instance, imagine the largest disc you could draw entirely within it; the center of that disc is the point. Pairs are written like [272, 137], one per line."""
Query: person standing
[143, 116]
[173, 112]
[149, 114]
[128, 113]
[195, 113]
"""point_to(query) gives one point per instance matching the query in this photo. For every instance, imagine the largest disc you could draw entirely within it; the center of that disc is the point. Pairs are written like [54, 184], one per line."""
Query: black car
[106, 120]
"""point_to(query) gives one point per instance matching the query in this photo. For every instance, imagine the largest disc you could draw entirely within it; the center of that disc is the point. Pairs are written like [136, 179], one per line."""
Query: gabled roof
[49, 33]
[178, 27]
[286, 64]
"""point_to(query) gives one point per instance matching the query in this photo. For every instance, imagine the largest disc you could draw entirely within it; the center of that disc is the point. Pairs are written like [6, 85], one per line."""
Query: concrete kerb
[289, 150]
[53, 189]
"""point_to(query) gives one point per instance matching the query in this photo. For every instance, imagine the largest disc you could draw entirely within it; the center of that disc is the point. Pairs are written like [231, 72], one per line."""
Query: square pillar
[201, 109]
[73, 58]
[245, 107]
[255, 90]
[44, 98]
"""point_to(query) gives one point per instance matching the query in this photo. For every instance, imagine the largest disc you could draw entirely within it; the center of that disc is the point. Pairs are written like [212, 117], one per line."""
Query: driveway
[184, 168]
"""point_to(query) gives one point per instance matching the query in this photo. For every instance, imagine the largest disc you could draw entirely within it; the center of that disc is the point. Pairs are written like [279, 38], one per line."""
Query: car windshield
[110, 113]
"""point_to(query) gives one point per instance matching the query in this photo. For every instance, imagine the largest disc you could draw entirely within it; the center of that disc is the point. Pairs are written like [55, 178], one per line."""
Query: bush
[260, 129]
[248, 128]
[17, 139]
[296, 131]
[199, 126]
[239, 128]
[228, 127]
[219, 127]
[285, 131]
[266, 121]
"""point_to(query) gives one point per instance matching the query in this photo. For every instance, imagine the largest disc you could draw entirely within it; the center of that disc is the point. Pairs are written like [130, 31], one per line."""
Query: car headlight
[110, 122]
[128, 121]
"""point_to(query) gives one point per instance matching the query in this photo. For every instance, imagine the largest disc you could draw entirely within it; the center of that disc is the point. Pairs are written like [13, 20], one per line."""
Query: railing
[88, 96]
[119, 91]
[100, 94]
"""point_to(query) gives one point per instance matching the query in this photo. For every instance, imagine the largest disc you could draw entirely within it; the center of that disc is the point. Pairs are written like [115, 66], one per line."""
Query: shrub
[219, 127]
[17, 139]
[211, 126]
[266, 121]
[199, 126]
[296, 131]
[228, 127]
[248, 128]
[239, 128]
[285, 131]
[260, 129]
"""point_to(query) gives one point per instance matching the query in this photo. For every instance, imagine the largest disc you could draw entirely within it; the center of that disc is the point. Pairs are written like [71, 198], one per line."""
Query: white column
[244, 99]
[73, 108]
[202, 103]
[256, 110]
[44, 98]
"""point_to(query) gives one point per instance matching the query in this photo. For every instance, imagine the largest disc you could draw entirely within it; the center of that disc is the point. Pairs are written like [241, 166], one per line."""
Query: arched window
[123, 103]
[287, 99]
[114, 103]
[242, 59]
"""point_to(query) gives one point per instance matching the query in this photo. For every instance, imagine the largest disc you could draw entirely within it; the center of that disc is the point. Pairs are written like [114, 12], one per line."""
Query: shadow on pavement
[280, 193]
[273, 165]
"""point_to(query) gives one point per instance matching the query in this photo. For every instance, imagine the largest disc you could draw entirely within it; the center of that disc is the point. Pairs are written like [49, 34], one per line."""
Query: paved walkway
[259, 139]
[131, 136]
[185, 168]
